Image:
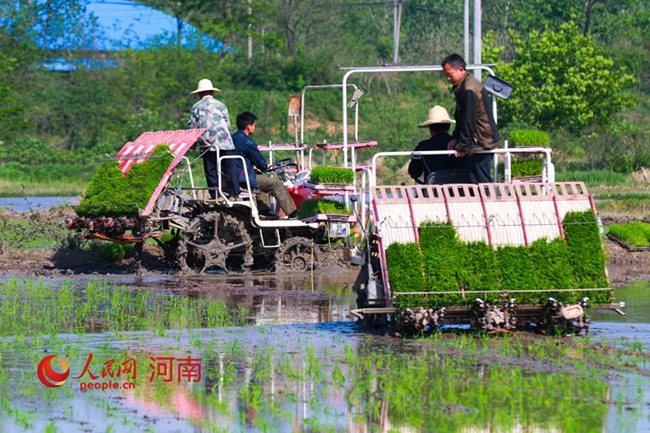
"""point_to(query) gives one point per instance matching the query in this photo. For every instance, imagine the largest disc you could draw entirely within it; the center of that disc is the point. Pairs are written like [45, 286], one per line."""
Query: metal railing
[425, 68]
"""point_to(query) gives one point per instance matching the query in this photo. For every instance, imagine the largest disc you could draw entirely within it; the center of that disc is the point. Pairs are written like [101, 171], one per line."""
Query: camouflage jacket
[212, 115]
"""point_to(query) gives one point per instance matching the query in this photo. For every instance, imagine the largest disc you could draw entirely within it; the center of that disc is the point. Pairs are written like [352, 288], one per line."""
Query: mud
[623, 266]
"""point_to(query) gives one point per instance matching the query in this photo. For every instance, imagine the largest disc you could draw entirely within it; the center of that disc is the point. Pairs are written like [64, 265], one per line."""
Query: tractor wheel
[297, 254]
[215, 241]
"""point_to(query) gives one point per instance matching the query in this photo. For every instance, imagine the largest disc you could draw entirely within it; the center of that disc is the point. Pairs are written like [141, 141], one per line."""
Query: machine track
[215, 240]
[297, 254]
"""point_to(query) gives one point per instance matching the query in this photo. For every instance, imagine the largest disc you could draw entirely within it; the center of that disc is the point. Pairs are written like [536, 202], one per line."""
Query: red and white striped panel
[427, 204]
[138, 151]
[393, 217]
[538, 211]
[466, 211]
[504, 214]
[499, 214]
[572, 197]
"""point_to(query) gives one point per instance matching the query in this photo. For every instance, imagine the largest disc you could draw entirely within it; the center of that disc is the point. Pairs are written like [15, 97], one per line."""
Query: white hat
[437, 114]
[205, 85]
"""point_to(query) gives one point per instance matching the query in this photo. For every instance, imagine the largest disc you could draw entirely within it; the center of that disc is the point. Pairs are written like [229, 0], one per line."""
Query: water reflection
[309, 378]
[306, 376]
[26, 204]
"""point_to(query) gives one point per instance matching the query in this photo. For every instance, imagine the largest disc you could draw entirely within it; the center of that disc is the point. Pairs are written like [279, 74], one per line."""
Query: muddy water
[301, 365]
[634, 326]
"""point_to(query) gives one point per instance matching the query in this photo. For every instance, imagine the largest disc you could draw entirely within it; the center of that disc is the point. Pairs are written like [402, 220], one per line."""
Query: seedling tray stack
[124, 191]
[459, 252]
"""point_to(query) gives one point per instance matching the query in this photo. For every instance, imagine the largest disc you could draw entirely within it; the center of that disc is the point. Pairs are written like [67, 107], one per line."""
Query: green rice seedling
[405, 271]
[455, 392]
[114, 252]
[552, 267]
[35, 308]
[635, 234]
[629, 235]
[479, 267]
[515, 269]
[110, 193]
[322, 206]
[641, 227]
[442, 254]
[337, 175]
[526, 168]
[586, 255]
[527, 137]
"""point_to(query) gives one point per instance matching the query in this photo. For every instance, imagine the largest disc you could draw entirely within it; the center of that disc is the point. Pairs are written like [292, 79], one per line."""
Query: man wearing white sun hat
[212, 114]
[438, 124]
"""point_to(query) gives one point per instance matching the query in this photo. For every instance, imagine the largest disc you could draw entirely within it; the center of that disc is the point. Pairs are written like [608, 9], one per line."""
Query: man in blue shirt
[246, 147]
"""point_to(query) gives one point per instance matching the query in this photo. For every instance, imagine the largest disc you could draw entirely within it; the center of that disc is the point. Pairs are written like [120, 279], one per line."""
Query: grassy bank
[18, 180]
[62, 188]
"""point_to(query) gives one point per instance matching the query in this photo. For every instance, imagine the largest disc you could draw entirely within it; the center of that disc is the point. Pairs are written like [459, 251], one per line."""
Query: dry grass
[641, 177]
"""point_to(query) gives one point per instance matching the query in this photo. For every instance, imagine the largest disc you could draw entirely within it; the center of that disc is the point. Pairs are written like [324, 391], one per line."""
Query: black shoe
[294, 214]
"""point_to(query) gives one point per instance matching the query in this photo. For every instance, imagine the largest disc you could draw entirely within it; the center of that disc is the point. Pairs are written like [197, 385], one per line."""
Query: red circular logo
[48, 376]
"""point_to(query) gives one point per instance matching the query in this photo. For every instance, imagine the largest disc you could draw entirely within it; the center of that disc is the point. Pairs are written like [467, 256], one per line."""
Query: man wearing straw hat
[212, 114]
[438, 124]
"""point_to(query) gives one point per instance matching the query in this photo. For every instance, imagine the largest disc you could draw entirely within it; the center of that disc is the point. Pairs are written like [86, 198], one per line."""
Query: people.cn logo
[48, 376]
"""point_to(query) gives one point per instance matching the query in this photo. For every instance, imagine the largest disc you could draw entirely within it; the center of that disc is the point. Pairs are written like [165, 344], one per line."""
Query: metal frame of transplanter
[300, 145]
[508, 213]
[384, 69]
[179, 143]
[499, 214]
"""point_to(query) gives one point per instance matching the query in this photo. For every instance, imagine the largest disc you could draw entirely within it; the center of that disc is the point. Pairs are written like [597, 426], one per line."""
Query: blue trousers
[228, 171]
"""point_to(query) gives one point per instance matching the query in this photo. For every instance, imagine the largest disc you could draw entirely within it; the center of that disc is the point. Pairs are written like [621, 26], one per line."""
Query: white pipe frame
[369, 175]
[428, 68]
[302, 113]
[548, 173]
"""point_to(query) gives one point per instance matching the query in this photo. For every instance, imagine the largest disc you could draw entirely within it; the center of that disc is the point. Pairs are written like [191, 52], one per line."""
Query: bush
[332, 175]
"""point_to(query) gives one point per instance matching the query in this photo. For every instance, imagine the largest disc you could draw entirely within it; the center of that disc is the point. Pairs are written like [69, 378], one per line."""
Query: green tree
[12, 110]
[563, 79]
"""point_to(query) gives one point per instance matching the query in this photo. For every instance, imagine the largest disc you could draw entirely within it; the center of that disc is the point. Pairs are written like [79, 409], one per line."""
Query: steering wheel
[280, 164]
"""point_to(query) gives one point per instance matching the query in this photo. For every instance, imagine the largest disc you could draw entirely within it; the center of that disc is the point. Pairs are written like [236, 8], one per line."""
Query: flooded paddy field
[262, 353]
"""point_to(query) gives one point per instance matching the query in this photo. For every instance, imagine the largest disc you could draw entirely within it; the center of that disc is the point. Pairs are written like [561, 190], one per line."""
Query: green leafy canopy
[563, 79]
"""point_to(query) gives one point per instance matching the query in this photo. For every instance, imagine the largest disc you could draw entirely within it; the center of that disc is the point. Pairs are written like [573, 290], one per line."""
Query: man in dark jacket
[246, 147]
[476, 129]
[438, 124]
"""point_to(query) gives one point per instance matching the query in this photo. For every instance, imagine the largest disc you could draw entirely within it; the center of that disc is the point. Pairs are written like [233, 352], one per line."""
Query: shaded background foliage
[580, 72]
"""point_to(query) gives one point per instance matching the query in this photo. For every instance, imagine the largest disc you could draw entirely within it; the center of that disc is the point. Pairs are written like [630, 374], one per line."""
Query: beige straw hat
[205, 85]
[437, 114]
